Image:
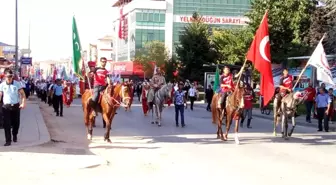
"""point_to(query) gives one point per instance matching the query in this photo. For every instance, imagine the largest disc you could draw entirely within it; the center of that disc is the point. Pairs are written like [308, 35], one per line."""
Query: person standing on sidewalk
[192, 94]
[322, 108]
[179, 101]
[11, 91]
[310, 101]
[209, 94]
[58, 97]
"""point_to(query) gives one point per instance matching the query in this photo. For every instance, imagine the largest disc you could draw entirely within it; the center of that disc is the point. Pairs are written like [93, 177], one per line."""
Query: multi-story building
[142, 21]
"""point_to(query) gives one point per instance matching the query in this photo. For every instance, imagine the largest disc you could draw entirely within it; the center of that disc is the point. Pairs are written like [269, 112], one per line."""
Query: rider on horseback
[227, 86]
[286, 86]
[100, 78]
[286, 83]
[156, 83]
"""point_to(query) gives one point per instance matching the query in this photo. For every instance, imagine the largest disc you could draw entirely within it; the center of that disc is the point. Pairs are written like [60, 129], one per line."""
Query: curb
[332, 127]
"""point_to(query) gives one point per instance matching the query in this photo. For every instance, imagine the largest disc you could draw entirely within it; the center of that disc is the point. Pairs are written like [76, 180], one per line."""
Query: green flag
[76, 49]
[216, 83]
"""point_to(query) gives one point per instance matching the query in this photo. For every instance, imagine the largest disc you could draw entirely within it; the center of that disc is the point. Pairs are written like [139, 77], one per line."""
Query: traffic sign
[26, 60]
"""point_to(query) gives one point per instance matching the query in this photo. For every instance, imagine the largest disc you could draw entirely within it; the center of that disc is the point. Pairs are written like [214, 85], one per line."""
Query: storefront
[128, 70]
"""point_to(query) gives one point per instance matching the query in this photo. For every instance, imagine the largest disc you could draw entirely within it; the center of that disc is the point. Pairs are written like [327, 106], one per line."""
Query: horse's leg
[88, 122]
[159, 111]
[228, 124]
[156, 114]
[275, 116]
[104, 122]
[219, 123]
[151, 107]
[286, 128]
[283, 119]
[236, 132]
[293, 126]
[90, 126]
[108, 127]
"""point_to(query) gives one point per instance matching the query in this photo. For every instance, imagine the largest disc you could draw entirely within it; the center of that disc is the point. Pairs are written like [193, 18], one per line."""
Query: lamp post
[16, 37]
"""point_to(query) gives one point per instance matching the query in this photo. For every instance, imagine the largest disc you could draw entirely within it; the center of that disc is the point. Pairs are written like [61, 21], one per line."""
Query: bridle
[115, 99]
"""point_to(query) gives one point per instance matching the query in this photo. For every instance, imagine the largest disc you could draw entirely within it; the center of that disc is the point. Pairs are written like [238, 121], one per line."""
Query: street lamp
[16, 37]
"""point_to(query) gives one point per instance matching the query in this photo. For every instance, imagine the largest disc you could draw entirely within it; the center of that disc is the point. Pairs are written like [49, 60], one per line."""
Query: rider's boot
[249, 123]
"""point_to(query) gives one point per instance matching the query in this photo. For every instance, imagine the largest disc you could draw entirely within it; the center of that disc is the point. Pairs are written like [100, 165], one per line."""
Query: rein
[114, 99]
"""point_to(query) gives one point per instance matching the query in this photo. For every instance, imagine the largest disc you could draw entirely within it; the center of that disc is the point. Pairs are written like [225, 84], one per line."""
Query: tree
[232, 44]
[289, 23]
[195, 49]
[154, 51]
[323, 22]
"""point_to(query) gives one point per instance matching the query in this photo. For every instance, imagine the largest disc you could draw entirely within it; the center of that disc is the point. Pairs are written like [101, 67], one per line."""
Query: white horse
[159, 98]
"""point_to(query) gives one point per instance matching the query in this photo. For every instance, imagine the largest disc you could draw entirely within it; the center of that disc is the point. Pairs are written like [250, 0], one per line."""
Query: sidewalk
[33, 130]
[301, 120]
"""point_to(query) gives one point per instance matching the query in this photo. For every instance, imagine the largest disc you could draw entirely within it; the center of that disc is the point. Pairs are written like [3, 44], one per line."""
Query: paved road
[146, 154]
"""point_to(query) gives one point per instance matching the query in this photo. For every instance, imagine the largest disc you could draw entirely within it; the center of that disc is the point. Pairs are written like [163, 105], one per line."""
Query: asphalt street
[143, 153]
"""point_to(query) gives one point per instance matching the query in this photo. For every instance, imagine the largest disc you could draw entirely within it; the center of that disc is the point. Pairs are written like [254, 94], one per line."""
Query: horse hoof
[152, 122]
[218, 137]
[108, 140]
[159, 125]
[156, 122]
[89, 137]
[290, 134]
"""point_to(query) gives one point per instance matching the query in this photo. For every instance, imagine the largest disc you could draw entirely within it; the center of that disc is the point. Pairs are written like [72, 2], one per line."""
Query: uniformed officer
[11, 91]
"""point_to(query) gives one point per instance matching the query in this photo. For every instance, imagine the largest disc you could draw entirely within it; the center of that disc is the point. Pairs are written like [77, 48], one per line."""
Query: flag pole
[304, 69]
[242, 69]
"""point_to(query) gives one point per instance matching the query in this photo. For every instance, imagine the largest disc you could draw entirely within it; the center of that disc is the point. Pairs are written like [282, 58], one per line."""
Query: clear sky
[51, 24]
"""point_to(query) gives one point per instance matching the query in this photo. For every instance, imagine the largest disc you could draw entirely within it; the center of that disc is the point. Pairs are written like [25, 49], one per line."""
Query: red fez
[92, 64]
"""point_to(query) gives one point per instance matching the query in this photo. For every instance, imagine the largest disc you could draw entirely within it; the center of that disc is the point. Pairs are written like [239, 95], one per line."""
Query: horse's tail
[214, 111]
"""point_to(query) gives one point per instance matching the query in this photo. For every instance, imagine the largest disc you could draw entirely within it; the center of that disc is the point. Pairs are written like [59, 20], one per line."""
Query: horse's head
[120, 93]
[167, 89]
[300, 96]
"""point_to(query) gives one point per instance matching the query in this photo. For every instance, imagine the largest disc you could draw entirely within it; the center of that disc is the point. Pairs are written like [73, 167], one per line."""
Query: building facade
[142, 21]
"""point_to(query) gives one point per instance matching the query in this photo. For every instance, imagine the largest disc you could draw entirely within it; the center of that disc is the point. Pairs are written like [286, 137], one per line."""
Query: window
[156, 17]
[162, 17]
[138, 16]
[150, 17]
[145, 16]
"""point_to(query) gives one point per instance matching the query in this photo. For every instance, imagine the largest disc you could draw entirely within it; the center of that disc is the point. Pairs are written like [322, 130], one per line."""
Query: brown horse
[233, 108]
[110, 100]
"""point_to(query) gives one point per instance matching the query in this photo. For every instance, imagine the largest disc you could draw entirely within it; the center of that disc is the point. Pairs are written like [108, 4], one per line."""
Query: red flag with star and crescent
[260, 55]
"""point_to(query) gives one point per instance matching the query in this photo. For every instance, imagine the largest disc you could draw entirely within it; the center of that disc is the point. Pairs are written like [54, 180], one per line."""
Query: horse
[233, 108]
[109, 100]
[159, 98]
[286, 108]
[131, 93]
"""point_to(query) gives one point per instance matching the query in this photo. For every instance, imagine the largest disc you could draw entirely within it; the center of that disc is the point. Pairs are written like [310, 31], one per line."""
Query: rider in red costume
[286, 86]
[286, 83]
[227, 85]
[100, 78]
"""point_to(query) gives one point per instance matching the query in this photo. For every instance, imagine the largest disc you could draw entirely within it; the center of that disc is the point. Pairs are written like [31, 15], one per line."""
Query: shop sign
[119, 68]
[213, 20]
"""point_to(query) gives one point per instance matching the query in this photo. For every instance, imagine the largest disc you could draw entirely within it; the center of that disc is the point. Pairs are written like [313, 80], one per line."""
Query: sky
[51, 24]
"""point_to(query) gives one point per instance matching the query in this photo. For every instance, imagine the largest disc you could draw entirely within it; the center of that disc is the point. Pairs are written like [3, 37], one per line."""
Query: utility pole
[16, 37]
[29, 41]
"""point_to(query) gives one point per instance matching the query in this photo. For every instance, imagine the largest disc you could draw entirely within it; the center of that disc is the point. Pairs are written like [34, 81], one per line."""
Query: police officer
[11, 91]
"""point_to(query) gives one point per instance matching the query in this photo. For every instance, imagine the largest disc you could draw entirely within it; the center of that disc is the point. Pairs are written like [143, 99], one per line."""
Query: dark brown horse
[110, 100]
[233, 108]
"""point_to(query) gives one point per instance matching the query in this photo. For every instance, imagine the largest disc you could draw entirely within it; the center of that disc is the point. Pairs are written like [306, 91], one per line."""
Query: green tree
[323, 22]
[195, 49]
[289, 23]
[232, 44]
[154, 51]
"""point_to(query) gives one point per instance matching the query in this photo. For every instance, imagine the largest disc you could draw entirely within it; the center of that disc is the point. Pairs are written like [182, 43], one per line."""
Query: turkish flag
[120, 24]
[260, 55]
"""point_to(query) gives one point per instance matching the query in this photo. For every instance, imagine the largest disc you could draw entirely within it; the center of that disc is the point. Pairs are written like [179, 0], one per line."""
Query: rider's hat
[92, 64]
